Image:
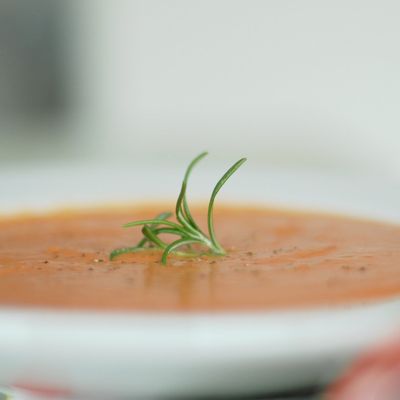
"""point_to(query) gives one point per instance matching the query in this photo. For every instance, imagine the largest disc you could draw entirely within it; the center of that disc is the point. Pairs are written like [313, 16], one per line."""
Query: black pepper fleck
[277, 251]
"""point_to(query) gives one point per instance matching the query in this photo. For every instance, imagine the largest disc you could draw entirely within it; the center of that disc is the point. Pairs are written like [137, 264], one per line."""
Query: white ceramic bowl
[170, 355]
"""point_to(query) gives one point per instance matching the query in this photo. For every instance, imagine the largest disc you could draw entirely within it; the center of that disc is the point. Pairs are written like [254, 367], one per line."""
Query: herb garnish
[185, 228]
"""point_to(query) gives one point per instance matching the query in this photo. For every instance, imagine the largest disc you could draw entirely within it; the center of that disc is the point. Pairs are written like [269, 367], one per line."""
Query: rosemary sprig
[186, 228]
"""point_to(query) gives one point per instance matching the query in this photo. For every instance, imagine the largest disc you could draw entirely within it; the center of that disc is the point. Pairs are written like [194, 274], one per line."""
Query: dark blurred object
[31, 58]
[376, 376]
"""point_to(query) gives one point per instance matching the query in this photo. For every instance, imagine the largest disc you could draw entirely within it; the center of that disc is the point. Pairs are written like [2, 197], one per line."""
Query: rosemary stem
[186, 227]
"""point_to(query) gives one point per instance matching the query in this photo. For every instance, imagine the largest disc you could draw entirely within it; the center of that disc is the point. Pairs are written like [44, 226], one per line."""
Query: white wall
[310, 82]
[286, 81]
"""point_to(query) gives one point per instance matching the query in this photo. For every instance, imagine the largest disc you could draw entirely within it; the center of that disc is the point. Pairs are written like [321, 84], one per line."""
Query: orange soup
[275, 260]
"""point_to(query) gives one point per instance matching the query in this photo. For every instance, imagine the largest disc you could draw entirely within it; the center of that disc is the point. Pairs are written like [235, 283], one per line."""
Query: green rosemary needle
[185, 227]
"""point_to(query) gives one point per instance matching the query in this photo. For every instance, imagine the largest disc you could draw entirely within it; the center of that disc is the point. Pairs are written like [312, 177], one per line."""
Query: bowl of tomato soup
[305, 284]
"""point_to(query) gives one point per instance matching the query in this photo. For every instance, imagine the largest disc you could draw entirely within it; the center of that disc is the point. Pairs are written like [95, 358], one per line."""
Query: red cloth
[376, 376]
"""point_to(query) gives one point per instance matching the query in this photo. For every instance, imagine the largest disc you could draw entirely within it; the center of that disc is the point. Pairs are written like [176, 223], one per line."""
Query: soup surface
[276, 259]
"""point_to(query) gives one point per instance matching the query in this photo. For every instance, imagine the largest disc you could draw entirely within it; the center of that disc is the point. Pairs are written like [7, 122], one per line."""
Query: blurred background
[288, 83]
